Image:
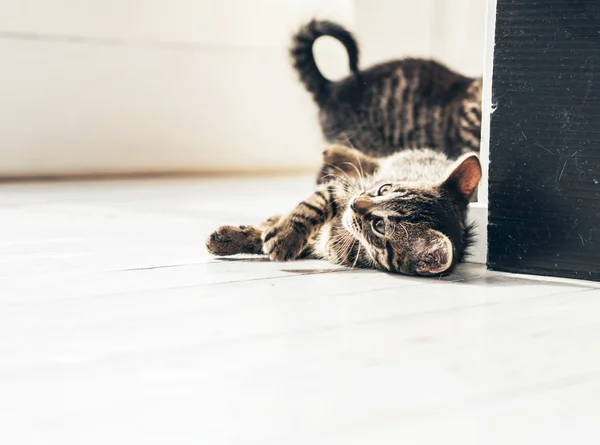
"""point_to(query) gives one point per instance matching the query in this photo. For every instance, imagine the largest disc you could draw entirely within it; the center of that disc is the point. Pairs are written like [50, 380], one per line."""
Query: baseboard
[478, 214]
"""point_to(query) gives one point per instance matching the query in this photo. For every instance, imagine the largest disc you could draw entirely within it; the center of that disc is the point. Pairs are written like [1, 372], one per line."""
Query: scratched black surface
[544, 196]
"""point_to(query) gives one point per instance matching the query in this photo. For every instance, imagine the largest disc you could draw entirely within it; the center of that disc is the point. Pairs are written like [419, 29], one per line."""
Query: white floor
[116, 327]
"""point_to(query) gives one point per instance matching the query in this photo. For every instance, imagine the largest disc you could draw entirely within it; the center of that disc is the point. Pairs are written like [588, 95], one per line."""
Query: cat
[404, 213]
[408, 103]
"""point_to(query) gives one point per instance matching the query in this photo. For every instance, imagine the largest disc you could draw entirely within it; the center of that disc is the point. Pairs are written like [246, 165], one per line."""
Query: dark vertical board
[544, 195]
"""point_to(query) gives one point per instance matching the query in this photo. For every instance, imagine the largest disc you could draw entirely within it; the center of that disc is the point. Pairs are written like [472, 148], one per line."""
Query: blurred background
[142, 86]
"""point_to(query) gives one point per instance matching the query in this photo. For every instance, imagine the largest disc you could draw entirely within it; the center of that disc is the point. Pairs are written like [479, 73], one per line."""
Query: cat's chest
[334, 242]
[323, 239]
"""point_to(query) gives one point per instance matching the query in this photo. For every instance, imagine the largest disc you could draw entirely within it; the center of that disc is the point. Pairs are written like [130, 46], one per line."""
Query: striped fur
[405, 213]
[409, 103]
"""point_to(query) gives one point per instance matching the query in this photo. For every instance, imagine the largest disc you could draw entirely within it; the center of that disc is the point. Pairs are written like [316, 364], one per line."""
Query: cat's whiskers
[349, 142]
[343, 243]
[360, 165]
[348, 248]
[357, 255]
[336, 178]
[361, 175]
[361, 179]
[351, 189]
[348, 177]
[341, 202]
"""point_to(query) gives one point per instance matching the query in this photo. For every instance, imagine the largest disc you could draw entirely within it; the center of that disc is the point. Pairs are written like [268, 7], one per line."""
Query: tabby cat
[405, 213]
[400, 104]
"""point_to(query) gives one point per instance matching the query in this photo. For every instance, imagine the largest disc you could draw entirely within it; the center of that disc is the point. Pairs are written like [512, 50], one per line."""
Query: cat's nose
[361, 205]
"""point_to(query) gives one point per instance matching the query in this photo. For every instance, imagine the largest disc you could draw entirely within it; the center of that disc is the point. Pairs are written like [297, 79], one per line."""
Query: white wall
[487, 97]
[451, 31]
[138, 85]
[91, 86]
[389, 29]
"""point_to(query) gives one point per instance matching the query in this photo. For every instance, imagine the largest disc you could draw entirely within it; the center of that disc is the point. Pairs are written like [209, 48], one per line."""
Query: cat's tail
[304, 61]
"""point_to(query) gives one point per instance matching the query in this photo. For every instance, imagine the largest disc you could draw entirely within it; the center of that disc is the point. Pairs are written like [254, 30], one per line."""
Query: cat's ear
[435, 254]
[464, 176]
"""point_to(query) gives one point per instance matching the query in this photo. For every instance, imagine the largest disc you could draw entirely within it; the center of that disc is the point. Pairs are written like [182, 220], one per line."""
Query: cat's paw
[283, 242]
[231, 240]
[337, 161]
[338, 155]
[345, 162]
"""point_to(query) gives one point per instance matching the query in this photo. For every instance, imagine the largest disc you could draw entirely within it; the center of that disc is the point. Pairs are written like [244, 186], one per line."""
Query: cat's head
[415, 229]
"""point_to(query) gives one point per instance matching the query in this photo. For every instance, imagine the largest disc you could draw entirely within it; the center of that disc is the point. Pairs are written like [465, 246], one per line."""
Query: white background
[108, 86]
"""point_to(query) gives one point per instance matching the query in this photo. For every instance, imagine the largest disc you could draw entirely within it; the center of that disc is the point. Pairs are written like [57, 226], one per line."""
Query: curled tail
[304, 61]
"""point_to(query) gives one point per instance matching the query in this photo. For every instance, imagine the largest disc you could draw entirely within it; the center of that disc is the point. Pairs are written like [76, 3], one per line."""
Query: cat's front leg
[232, 240]
[290, 236]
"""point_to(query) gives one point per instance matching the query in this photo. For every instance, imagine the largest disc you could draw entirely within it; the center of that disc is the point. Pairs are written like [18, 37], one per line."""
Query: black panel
[544, 196]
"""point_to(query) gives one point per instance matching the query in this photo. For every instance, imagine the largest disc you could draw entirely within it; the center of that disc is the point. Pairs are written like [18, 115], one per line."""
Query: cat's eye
[385, 188]
[378, 225]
